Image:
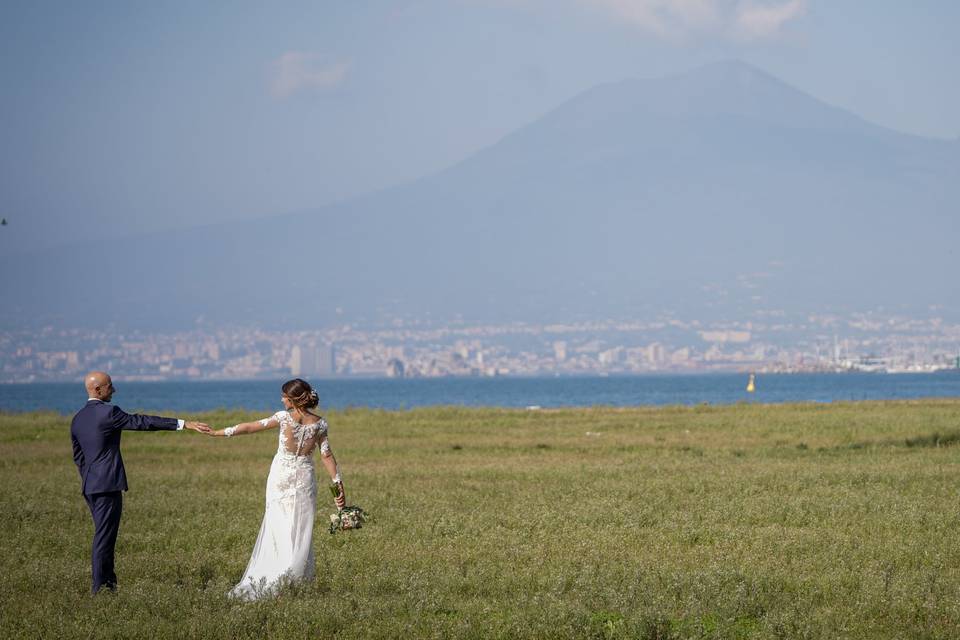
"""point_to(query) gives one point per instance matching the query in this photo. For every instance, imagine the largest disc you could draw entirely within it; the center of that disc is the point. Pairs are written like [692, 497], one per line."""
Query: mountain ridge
[630, 198]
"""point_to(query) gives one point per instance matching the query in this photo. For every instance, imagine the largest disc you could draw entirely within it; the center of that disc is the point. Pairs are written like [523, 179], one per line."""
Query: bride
[284, 549]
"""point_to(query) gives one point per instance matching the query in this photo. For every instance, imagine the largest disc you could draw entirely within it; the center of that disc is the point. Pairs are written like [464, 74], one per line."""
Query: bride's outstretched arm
[247, 427]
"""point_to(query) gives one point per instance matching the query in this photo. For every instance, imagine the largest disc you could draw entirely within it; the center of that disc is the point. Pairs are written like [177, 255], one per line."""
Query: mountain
[714, 194]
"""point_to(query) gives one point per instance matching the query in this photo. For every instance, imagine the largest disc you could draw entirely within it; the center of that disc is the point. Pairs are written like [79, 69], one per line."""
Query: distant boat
[751, 384]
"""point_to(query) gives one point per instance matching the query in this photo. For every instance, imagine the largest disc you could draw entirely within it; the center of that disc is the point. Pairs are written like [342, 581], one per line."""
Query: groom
[95, 432]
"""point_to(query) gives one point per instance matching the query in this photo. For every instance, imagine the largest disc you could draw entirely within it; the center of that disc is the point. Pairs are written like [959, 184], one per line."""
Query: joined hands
[199, 427]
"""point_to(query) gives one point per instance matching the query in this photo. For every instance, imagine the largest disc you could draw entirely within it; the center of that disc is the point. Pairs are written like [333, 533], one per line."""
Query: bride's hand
[340, 499]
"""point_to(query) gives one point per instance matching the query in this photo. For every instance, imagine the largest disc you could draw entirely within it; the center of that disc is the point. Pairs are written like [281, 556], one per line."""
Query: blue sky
[124, 117]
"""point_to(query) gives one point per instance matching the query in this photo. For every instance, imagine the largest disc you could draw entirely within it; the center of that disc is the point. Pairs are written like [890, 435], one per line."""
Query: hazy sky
[121, 117]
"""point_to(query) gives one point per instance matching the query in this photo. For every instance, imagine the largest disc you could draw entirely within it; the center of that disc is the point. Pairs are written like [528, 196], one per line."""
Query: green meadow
[747, 521]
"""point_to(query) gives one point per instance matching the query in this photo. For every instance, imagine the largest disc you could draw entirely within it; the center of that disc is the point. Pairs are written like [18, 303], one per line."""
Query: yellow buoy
[751, 386]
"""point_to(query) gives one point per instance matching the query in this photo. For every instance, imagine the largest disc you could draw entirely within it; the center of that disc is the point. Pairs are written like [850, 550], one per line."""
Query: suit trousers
[105, 509]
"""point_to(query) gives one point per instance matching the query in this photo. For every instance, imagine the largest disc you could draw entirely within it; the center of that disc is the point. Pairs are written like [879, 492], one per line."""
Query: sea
[511, 392]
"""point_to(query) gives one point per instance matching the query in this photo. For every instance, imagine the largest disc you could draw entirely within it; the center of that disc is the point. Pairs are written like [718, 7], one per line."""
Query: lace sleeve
[326, 453]
[278, 416]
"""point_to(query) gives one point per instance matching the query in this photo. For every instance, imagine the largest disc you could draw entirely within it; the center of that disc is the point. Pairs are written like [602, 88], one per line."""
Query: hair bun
[301, 394]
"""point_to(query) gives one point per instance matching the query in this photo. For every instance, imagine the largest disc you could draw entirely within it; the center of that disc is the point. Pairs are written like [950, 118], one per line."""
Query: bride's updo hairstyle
[300, 394]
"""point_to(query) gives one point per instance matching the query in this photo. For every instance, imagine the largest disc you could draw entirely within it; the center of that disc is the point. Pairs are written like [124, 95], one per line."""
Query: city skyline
[863, 342]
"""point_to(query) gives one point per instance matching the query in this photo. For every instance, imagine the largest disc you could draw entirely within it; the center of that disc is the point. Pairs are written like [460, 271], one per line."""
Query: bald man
[95, 432]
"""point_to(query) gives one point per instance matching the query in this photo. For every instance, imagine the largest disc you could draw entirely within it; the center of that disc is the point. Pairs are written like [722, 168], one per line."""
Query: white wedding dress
[284, 549]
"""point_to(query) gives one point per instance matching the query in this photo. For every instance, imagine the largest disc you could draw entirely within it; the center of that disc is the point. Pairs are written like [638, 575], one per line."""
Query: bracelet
[229, 431]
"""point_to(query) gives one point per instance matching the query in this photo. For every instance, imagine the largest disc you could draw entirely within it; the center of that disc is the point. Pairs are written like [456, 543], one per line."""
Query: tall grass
[752, 521]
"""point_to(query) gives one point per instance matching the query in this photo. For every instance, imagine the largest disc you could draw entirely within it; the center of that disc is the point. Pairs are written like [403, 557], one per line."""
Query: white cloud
[675, 19]
[763, 20]
[663, 17]
[299, 70]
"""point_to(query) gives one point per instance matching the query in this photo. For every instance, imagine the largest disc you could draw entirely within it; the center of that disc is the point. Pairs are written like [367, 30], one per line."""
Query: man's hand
[199, 427]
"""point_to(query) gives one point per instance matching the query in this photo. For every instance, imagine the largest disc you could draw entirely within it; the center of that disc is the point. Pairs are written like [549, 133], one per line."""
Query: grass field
[750, 521]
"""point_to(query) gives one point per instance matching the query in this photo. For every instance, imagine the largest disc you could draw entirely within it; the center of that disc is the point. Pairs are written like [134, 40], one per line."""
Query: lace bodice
[299, 439]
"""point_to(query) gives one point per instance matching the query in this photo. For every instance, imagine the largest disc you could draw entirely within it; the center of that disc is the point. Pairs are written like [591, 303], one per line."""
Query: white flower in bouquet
[347, 518]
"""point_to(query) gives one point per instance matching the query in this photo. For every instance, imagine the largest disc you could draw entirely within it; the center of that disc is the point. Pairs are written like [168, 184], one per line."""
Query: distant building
[296, 361]
[560, 351]
[610, 356]
[725, 336]
[656, 354]
[313, 360]
[326, 360]
[395, 368]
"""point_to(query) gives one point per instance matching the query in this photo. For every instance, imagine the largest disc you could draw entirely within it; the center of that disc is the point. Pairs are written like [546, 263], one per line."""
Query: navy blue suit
[95, 432]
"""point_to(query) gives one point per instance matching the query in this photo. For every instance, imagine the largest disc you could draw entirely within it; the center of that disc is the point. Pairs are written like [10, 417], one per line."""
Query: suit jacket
[95, 432]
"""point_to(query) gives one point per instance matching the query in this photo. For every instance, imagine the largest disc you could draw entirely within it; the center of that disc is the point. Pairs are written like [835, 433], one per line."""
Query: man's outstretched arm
[141, 422]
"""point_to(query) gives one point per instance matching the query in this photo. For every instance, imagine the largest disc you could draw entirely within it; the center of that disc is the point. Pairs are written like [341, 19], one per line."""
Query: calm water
[184, 397]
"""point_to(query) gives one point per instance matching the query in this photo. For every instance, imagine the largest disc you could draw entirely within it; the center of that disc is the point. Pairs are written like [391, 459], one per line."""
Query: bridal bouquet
[347, 518]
